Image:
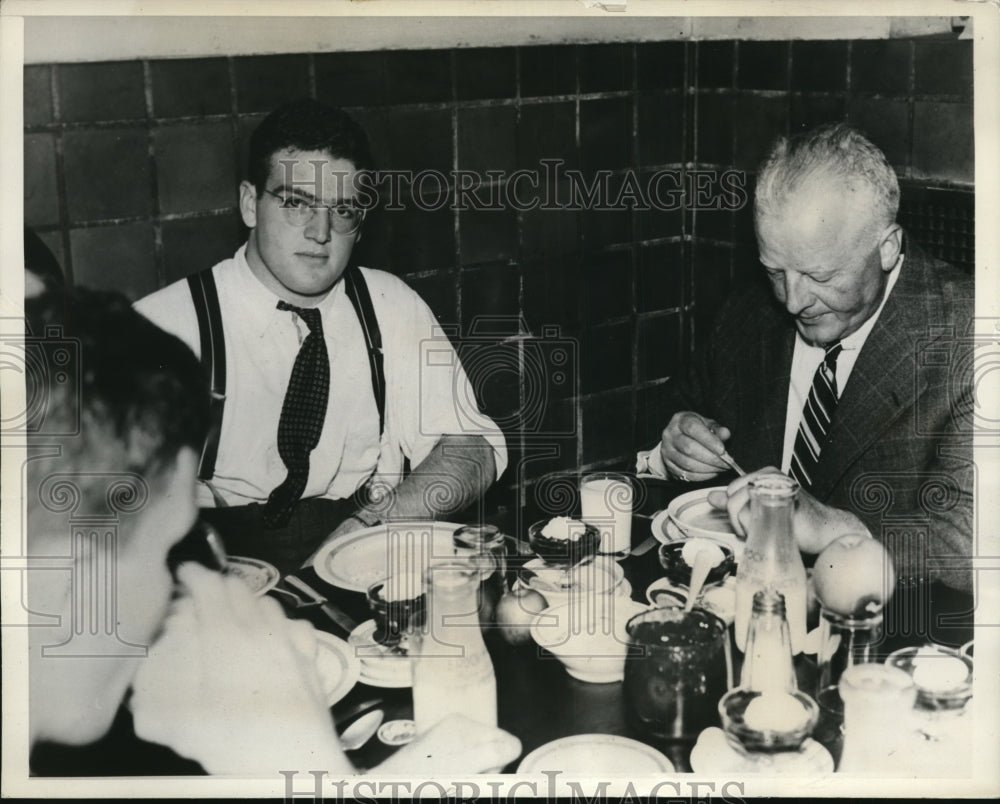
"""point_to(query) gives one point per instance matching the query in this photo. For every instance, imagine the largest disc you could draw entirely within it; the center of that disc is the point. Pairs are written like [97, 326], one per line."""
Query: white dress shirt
[427, 392]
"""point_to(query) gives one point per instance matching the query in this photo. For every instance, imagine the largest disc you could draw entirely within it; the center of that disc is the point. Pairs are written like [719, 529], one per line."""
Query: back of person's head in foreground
[109, 482]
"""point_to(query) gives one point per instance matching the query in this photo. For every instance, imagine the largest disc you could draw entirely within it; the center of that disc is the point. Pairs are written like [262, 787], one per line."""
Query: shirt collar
[261, 303]
[857, 339]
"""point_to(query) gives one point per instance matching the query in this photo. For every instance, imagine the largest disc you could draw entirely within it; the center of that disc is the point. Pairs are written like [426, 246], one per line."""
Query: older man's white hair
[835, 153]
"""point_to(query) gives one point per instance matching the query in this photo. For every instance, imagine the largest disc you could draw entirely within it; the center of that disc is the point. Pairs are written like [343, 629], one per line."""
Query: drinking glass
[397, 603]
[844, 642]
[606, 503]
[486, 547]
[878, 713]
[674, 683]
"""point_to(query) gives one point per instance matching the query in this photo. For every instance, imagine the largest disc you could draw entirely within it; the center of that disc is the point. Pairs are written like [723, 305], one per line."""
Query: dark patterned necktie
[816, 416]
[302, 416]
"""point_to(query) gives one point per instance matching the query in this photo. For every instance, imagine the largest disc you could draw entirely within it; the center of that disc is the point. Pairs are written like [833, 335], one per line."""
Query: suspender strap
[213, 351]
[357, 292]
[213, 358]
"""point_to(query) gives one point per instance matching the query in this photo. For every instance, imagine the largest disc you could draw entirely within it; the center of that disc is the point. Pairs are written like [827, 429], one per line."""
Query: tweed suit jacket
[899, 449]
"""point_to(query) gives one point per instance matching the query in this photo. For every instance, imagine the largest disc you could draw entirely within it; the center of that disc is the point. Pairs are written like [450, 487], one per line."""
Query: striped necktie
[302, 415]
[816, 417]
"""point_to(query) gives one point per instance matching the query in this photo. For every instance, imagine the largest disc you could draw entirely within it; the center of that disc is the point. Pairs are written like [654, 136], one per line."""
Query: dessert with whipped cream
[563, 540]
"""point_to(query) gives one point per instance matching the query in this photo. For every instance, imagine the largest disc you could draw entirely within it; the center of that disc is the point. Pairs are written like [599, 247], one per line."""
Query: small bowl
[679, 571]
[916, 661]
[592, 643]
[558, 586]
[564, 551]
[732, 710]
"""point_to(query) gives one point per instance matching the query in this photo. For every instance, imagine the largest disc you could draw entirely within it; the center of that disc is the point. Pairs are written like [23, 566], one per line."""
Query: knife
[645, 547]
[340, 619]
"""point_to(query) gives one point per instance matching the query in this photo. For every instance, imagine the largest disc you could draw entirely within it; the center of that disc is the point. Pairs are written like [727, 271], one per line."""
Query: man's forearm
[454, 475]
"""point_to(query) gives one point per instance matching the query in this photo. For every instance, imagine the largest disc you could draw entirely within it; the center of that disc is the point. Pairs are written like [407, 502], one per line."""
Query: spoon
[361, 730]
[703, 563]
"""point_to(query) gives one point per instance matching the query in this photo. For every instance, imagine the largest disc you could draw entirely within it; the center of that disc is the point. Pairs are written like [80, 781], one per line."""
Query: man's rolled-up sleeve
[430, 394]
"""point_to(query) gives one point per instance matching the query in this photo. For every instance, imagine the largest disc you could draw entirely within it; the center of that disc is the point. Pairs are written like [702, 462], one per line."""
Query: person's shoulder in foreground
[118, 435]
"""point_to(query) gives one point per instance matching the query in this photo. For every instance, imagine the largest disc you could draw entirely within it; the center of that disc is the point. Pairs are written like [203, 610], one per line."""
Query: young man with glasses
[326, 393]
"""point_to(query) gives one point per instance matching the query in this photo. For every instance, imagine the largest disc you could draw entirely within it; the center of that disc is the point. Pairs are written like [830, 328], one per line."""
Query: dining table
[537, 700]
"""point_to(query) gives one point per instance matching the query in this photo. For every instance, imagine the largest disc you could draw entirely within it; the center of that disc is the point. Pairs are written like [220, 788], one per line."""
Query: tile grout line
[159, 266]
[62, 199]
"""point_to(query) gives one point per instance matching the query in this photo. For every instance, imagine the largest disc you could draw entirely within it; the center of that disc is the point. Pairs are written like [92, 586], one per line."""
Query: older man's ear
[890, 246]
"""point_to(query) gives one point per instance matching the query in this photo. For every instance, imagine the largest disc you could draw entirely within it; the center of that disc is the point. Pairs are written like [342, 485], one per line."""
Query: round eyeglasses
[345, 219]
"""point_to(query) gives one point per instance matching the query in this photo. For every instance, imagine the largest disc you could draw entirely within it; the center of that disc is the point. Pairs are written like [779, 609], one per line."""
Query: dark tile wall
[569, 319]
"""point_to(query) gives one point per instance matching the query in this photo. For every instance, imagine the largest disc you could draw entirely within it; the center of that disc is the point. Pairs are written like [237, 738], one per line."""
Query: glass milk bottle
[452, 671]
[771, 558]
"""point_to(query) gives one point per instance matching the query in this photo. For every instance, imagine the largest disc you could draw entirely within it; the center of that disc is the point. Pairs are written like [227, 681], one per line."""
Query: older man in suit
[843, 375]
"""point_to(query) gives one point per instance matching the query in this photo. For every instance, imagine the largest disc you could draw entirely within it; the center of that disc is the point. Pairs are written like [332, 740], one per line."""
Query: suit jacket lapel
[884, 382]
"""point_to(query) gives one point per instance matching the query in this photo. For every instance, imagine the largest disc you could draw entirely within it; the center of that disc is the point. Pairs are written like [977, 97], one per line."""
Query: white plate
[379, 666]
[589, 755]
[338, 668]
[361, 558]
[258, 575]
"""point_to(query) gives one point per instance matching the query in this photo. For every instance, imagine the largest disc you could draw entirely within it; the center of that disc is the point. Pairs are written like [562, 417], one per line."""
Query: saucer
[714, 754]
[380, 666]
